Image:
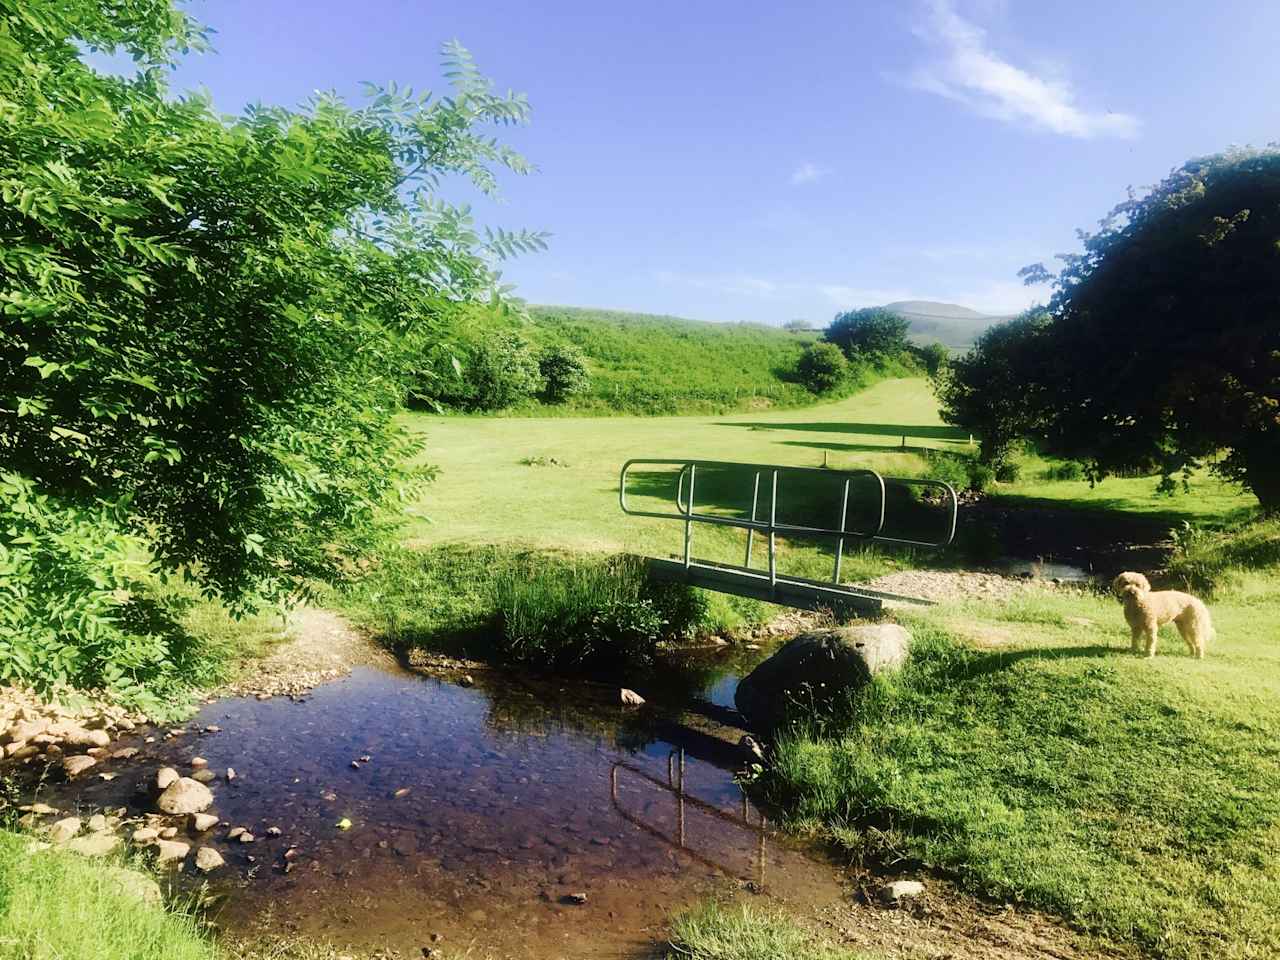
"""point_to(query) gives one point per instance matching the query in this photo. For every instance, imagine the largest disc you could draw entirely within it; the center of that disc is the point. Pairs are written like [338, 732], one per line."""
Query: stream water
[478, 815]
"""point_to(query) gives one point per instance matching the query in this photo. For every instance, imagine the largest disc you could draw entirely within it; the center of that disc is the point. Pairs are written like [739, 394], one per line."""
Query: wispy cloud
[808, 172]
[968, 71]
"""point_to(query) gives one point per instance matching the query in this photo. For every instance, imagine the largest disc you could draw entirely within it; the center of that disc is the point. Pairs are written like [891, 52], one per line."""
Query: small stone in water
[213, 728]
[198, 762]
[168, 833]
[274, 831]
[231, 774]
[204, 776]
[247, 837]
[578, 898]
[355, 764]
[402, 792]
[466, 680]
[365, 758]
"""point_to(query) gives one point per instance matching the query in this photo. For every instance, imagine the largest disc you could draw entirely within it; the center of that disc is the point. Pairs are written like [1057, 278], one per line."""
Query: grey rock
[164, 777]
[77, 765]
[208, 859]
[170, 850]
[94, 844]
[168, 833]
[64, 830]
[185, 796]
[200, 822]
[145, 834]
[133, 884]
[817, 668]
[204, 775]
[97, 823]
[125, 753]
[901, 890]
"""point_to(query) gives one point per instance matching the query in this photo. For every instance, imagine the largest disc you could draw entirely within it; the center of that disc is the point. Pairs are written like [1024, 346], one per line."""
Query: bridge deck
[788, 591]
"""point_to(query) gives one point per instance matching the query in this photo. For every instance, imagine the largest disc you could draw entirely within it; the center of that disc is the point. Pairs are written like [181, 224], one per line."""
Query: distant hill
[950, 324]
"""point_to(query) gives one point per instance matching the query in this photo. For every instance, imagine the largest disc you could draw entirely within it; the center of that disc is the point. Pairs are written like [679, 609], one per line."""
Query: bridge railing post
[844, 513]
[755, 497]
[773, 533]
[688, 518]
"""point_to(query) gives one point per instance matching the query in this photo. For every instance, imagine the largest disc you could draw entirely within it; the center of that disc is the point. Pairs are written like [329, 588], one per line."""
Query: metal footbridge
[864, 505]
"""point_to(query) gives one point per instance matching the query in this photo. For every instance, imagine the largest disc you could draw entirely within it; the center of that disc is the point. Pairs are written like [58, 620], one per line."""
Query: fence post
[688, 518]
[773, 536]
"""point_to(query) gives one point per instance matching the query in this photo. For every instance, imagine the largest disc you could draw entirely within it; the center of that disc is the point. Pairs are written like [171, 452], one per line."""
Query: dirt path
[321, 647]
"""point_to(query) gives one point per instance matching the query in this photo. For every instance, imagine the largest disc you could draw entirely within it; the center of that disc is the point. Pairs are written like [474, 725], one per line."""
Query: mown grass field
[488, 493]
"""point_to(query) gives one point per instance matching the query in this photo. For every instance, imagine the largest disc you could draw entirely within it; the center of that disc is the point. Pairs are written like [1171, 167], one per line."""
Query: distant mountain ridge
[950, 324]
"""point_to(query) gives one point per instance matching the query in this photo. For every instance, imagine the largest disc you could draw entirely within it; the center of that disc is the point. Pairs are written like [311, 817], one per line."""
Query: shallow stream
[479, 816]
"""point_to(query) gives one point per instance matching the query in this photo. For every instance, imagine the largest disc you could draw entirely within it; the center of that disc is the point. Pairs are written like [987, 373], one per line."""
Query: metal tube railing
[772, 528]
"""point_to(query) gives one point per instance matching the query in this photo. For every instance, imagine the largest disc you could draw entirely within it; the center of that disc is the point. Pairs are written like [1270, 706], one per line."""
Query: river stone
[630, 698]
[185, 796]
[204, 775]
[132, 883]
[164, 777]
[64, 830]
[145, 834]
[97, 823]
[208, 859]
[817, 667]
[167, 850]
[77, 765]
[200, 822]
[901, 890]
[94, 844]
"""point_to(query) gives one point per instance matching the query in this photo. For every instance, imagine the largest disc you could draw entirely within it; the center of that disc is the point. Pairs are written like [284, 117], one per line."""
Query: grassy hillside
[655, 365]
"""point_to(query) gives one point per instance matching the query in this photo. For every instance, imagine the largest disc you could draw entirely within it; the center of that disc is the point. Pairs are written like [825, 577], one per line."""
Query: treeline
[600, 362]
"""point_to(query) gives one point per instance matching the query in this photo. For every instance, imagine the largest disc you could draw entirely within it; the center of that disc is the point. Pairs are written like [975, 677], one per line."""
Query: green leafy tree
[1165, 344]
[564, 372]
[206, 320]
[872, 331]
[934, 356]
[989, 391]
[822, 367]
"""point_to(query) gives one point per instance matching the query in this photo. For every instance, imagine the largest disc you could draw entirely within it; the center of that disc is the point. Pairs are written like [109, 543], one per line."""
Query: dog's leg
[1135, 639]
[1151, 630]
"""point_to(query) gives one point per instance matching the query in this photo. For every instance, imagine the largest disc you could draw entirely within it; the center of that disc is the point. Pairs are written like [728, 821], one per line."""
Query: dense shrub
[492, 373]
[822, 367]
[872, 331]
[564, 372]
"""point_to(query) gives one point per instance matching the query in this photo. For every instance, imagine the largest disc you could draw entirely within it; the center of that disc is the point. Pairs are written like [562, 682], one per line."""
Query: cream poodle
[1147, 610]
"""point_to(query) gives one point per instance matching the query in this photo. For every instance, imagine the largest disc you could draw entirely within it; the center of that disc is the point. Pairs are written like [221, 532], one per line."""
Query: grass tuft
[716, 932]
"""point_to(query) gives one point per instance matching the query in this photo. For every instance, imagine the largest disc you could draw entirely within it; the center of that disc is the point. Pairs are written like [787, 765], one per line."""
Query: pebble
[145, 834]
[97, 823]
[204, 776]
[94, 844]
[630, 698]
[247, 837]
[575, 898]
[231, 774]
[164, 777]
[274, 831]
[199, 762]
[201, 822]
[234, 832]
[466, 680]
[41, 809]
[168, 833]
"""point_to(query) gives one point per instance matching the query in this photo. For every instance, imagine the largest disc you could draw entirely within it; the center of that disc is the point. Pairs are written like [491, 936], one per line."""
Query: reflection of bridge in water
[684, 804]
[847, 504]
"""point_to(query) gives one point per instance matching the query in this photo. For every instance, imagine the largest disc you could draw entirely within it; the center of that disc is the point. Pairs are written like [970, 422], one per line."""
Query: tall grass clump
[1243, 559]
[535, 607]
[58, 906]
[715, 932]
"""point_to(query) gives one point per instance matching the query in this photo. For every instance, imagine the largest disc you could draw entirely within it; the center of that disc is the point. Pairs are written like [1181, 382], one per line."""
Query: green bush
[822, 367]
[1008, 471]
[563, 371]
[873, 331]
[980, 475]
[497, 371]
[1067, 470]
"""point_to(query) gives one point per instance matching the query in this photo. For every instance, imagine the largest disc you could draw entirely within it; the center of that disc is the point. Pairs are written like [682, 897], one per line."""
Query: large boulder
[817, 668]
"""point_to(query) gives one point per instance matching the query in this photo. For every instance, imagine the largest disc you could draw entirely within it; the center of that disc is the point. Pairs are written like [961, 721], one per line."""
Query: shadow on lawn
[993, 661]
[871, 429]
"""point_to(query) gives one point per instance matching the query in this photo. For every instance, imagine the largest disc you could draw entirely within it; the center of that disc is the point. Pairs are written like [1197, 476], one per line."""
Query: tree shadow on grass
[931, 432]
[992, 661]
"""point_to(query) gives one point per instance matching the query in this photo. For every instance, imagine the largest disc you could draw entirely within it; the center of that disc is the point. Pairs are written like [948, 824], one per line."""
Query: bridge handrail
[685, 508]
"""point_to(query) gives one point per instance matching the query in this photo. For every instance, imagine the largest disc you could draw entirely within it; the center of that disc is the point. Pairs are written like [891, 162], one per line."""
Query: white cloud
[808, 172]
[970, 72]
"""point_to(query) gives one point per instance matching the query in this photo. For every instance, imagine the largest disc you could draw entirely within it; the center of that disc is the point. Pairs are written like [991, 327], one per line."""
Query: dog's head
[1130, 584]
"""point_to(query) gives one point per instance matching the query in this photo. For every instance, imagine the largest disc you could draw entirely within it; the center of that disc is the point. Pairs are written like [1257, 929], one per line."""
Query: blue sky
[765, 161]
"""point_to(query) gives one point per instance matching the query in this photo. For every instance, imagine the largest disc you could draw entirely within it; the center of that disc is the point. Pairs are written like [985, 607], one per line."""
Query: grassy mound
[713, 932]
[55, 906]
